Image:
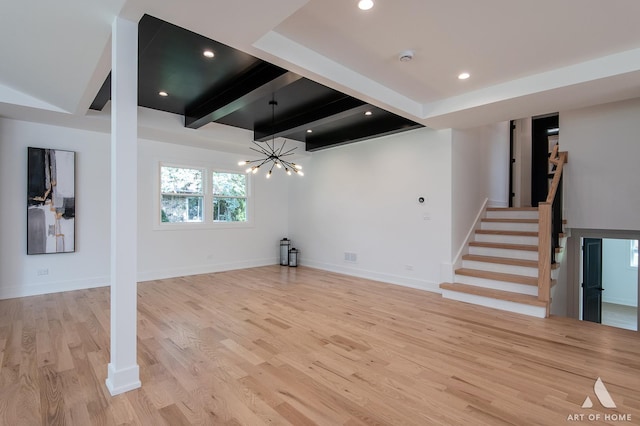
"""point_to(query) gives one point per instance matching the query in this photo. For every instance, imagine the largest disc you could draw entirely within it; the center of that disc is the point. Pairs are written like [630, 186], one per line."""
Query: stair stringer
[464, 248]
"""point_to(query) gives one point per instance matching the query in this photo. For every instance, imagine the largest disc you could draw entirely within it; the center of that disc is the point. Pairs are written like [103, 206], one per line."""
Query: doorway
[544, 129]
[605, 286]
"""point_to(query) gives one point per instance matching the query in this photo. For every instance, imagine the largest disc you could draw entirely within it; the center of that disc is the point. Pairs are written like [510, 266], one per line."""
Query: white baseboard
[205, 269]
[52, 287]
[376, 276]
[619, 301]
[82, 284]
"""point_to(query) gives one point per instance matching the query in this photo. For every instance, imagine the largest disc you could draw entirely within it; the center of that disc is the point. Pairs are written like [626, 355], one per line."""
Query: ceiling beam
[261, 80]
[385, 126]
[312, 117]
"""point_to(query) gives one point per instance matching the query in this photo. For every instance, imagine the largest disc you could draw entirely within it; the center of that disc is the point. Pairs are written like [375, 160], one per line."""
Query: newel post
[544, 253]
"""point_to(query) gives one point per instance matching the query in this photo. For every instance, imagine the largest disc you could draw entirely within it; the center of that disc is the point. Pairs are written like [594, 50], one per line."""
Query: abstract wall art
[51, 201]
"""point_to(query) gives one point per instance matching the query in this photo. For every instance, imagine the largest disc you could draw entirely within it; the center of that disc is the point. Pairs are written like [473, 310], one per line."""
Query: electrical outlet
[43, 272]
[350, 257]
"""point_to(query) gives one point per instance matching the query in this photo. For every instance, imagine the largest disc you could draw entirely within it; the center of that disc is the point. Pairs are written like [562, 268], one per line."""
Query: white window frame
[246, 196]
[207, 187]
[633, 260]
[202, 194]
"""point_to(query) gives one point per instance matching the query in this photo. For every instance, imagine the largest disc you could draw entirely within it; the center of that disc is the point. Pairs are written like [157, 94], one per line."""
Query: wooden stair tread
[525, 247]
[498, 276]
[513, 209]
[508, 220]
[510, 233]
[494, 294]
[506, 261]
[501, 260]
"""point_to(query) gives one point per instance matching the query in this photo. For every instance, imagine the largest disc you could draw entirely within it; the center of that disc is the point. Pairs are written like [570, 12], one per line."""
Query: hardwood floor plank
[298, 346]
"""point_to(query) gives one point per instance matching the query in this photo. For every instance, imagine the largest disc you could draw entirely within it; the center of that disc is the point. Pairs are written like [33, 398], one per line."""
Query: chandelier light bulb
[273, 155]
[300, 173]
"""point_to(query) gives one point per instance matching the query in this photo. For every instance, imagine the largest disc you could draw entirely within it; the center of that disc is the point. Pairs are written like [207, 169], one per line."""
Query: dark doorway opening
[541, 129]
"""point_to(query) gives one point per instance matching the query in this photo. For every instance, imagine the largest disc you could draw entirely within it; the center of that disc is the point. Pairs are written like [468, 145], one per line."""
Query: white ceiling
[525, 57]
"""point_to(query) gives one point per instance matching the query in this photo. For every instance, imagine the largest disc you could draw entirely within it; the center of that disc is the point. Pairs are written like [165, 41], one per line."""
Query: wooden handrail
[559, 162]
[545, 230]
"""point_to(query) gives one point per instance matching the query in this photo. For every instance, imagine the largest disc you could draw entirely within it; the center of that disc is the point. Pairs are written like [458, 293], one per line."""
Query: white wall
[480, 171]
[362, 198]
[89, 265]
[619, 279]
[602, 174]
[168, 253]
[161, 253]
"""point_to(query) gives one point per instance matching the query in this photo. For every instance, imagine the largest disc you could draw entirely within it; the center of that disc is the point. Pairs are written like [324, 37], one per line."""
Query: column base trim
[120, 381]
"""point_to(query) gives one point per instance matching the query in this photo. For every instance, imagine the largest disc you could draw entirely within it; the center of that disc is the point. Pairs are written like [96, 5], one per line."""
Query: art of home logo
[606, 401]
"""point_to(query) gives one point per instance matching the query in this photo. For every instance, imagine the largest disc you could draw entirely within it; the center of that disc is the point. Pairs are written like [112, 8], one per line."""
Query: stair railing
[550, 227]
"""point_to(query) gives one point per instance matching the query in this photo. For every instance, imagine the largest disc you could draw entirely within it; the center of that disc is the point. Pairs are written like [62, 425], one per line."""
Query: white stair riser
[512, 214]
[534, 311]
[507, 239]
[510, 254]
[499, 267]
[509, 226]
[497, 285]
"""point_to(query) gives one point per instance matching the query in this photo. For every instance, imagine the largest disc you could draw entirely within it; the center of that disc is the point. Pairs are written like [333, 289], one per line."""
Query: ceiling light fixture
[163, 94]
[273, 155]
[208, 54]
[368, 113]
[309, 131]
[365, 4]
[464, 76]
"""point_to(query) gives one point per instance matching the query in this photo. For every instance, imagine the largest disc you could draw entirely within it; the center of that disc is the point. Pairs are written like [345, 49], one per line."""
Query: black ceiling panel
[235, 89]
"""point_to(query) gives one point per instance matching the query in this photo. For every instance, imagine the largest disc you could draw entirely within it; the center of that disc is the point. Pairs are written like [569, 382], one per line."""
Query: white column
[123, 372]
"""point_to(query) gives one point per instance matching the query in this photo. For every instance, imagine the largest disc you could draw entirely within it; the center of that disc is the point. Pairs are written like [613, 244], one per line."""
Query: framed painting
[51, 201]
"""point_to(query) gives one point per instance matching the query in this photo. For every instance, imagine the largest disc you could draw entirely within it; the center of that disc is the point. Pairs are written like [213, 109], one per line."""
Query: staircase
[501, 269]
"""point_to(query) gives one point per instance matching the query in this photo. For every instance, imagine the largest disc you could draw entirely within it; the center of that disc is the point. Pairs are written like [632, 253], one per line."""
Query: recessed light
[368, 113]
[365, 4]
[163, 94]
[208, 54]
[309, 131]
[464, 76]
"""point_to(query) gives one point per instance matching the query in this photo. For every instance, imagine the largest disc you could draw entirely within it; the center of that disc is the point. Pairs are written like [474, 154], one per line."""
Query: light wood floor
[278, 345]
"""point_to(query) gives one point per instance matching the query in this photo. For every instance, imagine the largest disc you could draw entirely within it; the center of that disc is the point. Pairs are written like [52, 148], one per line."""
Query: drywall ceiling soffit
[500, 42]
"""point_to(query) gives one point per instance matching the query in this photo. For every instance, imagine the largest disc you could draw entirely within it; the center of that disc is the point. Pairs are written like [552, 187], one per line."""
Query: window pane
[229, 209]
[177, 208]
[179, 180]
[230, 184]
[634, 253]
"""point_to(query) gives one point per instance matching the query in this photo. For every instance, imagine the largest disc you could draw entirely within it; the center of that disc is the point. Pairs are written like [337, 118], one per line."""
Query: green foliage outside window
[229, 197]
[181, 194]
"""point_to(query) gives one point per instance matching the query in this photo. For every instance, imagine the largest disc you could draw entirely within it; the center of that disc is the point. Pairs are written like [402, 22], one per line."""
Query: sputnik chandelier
[273, 155]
